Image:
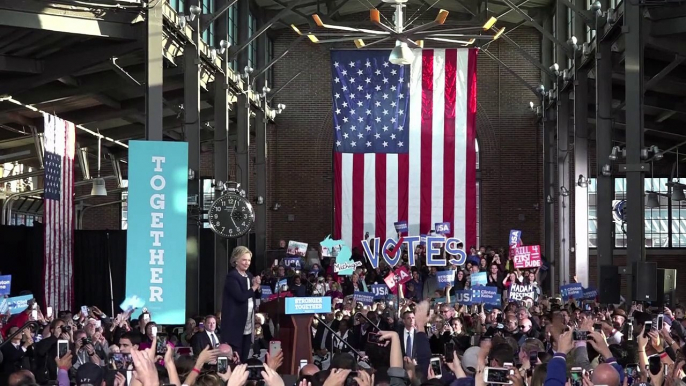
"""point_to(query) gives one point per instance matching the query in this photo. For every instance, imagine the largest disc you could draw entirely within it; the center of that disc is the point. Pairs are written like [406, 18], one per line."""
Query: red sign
[403, 276]
[526, 256]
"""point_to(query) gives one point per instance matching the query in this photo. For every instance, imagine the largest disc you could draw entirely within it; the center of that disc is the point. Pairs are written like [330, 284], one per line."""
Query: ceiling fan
[405, 38]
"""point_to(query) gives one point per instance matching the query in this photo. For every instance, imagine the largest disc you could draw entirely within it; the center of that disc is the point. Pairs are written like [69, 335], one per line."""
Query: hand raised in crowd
[207, 355]
[655, 340]
[336, 377]
[276, 361]
[597, 340]
[516, 378]
[64, 363]
[271, 377]
[364, 379]
[642, 340]
[119, 379]
[565, 344]
[144, 367]
[238, 376]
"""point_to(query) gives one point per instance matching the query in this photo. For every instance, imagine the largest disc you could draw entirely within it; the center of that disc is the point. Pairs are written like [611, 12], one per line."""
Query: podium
[294, 334]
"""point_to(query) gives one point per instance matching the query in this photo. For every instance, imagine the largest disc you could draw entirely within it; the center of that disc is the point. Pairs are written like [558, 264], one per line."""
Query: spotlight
[246, 72]
[182, 21]
[213, 53]
[652, 201]
[281, 106]
[223, 46]
[540, 89]
[657, 154]
[597, 5]
[564, 191]
[99, 188]
[572, 42]
[265, 91]
[401, 54]
[613, 154]
[678, 194]
[606, 170]
[531, 105]
[555, 68]
[195, 11]
[582, 181]
[276, 206]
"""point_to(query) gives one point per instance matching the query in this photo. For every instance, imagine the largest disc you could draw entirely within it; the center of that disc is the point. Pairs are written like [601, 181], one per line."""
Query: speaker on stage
[666, 287]
[644, 281]
[609, 285]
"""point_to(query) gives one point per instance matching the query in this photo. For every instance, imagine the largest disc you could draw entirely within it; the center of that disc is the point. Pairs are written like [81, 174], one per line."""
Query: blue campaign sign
[266, 291]
[486, 295]
[16, 304]
[590, 293]
[156, 236]
[291, 262]
[443, 228]
[445, 278]
[313, 305]
[479, 278]
[366, 298]
[379, 290]
[5, 284]
[400, 226]
[515, 237]
[464, 297]
[132, 303]
[574, 290]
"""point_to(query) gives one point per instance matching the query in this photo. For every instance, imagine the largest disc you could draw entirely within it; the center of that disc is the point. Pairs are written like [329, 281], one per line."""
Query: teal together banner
[156, 236]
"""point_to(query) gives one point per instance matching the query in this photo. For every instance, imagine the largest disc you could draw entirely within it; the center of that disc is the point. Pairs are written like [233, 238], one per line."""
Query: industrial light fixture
[657, 154]
[276, 206]
[531, 105]
[247, 70]
[99, 188]
[582, 182]
[555, 68]
[614, 153]
[265, 91]
[401, 54]
[564, 192]
[280, 108]
[678, 193]
[652, 200]
[223, 46]
[597, 5]
[195, 12]
[259, 200]
[606, 170]
[182, 20]
[572, 43]
[490, 23]
[540, 89]
[213, 54]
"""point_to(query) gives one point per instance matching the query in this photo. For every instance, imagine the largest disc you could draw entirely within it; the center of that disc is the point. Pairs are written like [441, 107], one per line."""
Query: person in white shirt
[208, 337]
[407, 335]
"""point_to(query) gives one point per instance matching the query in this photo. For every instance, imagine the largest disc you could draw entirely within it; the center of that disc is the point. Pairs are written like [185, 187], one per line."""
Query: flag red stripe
[403, 186]
[337, 194]
[358, 198]
[470, 181]
[449, 139]
[380, 185]
[426, 144]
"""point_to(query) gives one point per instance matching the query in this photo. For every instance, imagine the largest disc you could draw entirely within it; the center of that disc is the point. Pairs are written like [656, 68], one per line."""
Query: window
[124, 205]
[478, 197]
[178, 5]
[270, 56]
[252, 49]
[232, 17]
[24, 219]
[657, 232]
[570, 32]
[208, 35]
[207, 199]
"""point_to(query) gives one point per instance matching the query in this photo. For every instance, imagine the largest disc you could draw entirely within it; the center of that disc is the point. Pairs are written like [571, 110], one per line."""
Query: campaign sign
[280, 284]
[313, 305]
[435, 257]
[156, 237]
[574, 290]
[17, 304]
[399, 276]
[486, 295]
[438, 300]
[266, 291]
[5, 284]
[291, 262]
[515, 237]
[132, 303]
[464, 297]
[400, 226]
[366, 298]
[443, 228]
[590, 293]
[445, 278]
[521, 291]
[379, 290]
[527, 256]
[479, 278]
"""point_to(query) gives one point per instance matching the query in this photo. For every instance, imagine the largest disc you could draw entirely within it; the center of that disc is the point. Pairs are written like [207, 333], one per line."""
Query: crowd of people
[422, 338]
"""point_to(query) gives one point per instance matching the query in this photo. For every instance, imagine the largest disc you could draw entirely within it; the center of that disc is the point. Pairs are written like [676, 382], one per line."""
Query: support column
[243, 111]
[191, 116]
[261, 160]
[221, 160]
[154, 73]
[581, 169]
[549, 163]
[605, 185]
[635, 190]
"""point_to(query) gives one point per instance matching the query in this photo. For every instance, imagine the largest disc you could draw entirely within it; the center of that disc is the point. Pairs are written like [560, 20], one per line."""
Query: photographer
[84, 351]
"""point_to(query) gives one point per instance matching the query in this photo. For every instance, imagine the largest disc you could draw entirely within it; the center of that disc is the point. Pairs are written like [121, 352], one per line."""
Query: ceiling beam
[22, 65]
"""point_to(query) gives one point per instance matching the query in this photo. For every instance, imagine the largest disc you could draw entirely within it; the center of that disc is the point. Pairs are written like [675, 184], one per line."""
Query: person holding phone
[241, 290]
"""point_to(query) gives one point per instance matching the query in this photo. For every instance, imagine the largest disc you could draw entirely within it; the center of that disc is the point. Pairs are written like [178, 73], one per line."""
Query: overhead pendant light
[582, 182]
[678, 193]
[99, 188]
[401, 54]
[652, 201]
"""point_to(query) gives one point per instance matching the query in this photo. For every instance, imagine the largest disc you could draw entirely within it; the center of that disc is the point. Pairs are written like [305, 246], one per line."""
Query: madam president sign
[390, 251]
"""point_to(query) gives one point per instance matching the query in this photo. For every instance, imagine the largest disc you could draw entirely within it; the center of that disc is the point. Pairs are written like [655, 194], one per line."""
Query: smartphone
[222, 365]
[660, 321]
[98, 324]
[121, 361]
[274, 348]
[153, 330]
[146, 317]
[632, 371]
[183, 351]
[474, 340]
[48, 312]
[373, 337]
[255, 372]
[303, 363]
[654, 364]
[34, 314]
[648, 327]
[497, 375]
[62, 347]
[436, 366]
[161, 348]
[598, 327]
[577, 376]
[84, 310]
[579, 335]
[533, 358]
[449, 352]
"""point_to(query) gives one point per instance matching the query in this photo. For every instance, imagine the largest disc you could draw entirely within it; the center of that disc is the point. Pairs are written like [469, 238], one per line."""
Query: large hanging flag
[58, 213]
[404, 143]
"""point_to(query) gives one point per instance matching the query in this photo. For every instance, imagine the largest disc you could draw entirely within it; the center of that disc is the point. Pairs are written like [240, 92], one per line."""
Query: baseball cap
[89, 374]
[470, 360]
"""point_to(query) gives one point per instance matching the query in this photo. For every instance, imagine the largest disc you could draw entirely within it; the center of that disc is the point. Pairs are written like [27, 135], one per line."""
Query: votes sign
[527, 256]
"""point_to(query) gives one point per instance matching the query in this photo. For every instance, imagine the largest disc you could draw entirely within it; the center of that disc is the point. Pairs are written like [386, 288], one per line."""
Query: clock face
[231, 216]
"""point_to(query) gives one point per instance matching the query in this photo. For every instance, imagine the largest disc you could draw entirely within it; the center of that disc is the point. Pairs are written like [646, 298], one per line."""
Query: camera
[85, 341]
[580, 335]
[65, 328]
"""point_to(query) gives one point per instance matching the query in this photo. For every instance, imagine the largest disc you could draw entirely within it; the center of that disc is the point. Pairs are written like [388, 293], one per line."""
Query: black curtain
[96, 254]
[21, 255]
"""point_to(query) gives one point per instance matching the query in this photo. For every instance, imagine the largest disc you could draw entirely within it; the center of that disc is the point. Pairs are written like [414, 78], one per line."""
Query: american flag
[58, 214]
[404, 145]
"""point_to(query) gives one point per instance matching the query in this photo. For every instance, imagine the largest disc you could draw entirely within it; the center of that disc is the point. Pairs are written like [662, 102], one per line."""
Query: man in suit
[16, 353]
[322, 337]
[206, 338]
[407, 335]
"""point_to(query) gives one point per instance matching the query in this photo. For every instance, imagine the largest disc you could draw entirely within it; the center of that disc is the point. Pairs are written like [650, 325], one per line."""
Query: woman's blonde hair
[237, 253]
